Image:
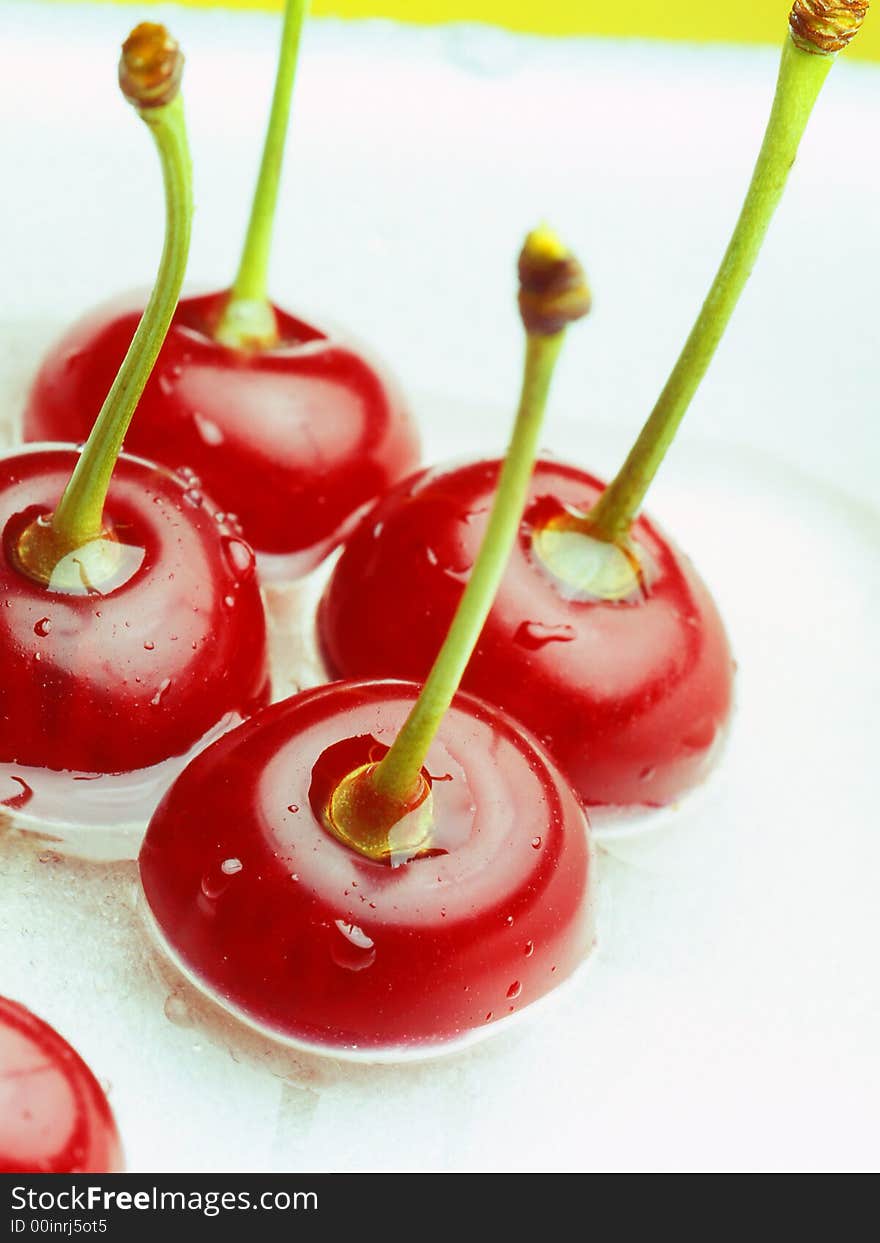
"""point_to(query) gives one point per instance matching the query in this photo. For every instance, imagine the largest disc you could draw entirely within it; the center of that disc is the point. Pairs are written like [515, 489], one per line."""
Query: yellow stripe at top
[738, 21]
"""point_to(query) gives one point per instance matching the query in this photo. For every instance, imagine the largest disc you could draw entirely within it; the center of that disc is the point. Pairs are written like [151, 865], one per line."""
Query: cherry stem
[801, 76]
[78, 518]
[248, 318]
[562, 297]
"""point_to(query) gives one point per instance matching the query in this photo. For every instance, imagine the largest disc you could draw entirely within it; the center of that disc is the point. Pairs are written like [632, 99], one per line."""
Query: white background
[732, 1017]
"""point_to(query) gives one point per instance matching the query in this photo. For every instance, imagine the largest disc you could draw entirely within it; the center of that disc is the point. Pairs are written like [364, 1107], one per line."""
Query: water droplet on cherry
[231, 867]
[149, 647]
[160, 693]
[43, 626]
[536, 843]
[208, 430]
[530, 948]
[353, 949]
[535, 635]
[194, 497]
[514, 990]
[239, 555]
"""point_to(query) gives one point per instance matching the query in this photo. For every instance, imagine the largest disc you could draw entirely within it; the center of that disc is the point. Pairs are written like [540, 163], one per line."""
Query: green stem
[801, 76]
[79, 516]
[397, 775]
[248, 318]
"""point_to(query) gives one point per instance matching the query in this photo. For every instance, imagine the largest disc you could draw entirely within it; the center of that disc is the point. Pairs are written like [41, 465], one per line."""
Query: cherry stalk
[289, 426]
[133, 631]
[603, 639]
[377, 870]
[249, 319]
[818, 30]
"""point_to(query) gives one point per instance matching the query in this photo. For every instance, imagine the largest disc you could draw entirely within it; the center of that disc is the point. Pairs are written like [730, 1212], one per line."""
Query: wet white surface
[732, 1016]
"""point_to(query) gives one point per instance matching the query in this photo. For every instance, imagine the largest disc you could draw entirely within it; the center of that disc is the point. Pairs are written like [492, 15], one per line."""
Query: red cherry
[630, 697]
[294, 438]
[121, 676]
[316, 943]
[54, 1117]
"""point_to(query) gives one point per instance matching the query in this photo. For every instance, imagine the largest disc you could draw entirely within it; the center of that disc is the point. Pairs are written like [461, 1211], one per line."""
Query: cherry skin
[294, 439]
[54, 1116]
[124, 673]
[318, 944]
[630, 697]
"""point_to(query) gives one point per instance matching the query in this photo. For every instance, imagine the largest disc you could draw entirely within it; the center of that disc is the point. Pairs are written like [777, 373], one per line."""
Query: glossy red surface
[294, 440]
[54, 1117]
[630, 697]
[308, 938]
[117, 682]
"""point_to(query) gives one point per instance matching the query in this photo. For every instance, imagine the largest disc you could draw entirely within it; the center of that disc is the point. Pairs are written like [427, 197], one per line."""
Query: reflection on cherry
[54, 1116]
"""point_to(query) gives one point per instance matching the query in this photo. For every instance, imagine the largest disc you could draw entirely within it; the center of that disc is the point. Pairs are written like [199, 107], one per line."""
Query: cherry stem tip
[825, 27]
[150, 67]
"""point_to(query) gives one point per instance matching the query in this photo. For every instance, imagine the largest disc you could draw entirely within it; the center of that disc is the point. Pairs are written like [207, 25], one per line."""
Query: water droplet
[536, 843]
[353, 949]
[214, 884]
[43, 626]
[163, 687]
[229, 601]
[177, 1011]
[239, 555]
[194, 497]
[294, 875]
[293, 807]
[488, 1016]
[208, 430]
[647, 773]
[149, 647]
[189, 476]
[231, 867]
[535, 635]
[530, 948]
[509, 921]
[514, 990]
